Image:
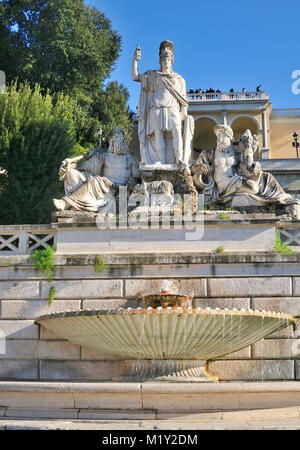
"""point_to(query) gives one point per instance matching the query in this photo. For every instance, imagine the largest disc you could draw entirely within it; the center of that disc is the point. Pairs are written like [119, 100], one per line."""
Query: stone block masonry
[237, 280]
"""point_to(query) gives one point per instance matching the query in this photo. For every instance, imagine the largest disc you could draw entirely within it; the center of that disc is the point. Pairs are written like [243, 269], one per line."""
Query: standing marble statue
[89, 180]
[233, 177]
[162, 108]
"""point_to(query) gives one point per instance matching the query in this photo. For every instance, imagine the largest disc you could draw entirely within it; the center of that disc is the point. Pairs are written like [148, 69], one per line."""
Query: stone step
[184, 416]
[150, 400]
[278, 424]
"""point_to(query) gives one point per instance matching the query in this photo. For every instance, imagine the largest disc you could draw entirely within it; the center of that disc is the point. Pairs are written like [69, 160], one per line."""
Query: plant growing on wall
[44, 261]
[51, 295]
[100, 264]
[223, 216]
[281, 247]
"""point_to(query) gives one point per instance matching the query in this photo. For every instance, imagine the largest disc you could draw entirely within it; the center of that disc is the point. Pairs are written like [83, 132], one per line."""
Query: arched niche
[204, 136]
[242, 123]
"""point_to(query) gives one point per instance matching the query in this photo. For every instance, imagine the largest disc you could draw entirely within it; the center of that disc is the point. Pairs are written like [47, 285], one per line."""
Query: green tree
[110, 107]
[62, 45]
[36, 134]
[66, 46]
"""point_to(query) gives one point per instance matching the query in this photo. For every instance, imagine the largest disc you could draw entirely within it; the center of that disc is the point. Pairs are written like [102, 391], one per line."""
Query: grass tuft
[281, 247]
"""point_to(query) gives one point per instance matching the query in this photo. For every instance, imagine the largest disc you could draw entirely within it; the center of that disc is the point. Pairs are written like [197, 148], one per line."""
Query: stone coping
[209, 220]
[289, 224]
[30, 227]
[151, 387]
[123, 258]
[281, 165]
[236, 219]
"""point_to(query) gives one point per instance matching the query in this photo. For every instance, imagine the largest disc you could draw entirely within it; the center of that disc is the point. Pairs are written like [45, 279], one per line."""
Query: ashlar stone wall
[258, 281]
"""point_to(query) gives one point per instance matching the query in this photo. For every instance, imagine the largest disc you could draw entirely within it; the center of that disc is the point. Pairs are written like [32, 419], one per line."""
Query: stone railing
[284, 112]
[227, 96]
[289, 233]
[23, 239]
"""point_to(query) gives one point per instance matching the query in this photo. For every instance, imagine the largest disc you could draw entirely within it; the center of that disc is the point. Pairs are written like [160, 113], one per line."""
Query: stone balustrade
[226, 96]
[289, 233]
[24, 239]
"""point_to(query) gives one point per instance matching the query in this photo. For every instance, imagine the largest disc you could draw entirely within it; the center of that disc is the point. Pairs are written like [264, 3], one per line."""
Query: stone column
[224, 117]
[265, 147]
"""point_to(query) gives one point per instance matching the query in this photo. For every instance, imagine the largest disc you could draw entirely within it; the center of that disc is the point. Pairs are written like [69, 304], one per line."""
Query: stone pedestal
[171, 370]
[265, 153]
[232, 231]
[180, 178]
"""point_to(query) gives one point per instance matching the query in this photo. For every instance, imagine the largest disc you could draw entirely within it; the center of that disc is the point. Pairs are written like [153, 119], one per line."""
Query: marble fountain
[154, 360]
[167, 339]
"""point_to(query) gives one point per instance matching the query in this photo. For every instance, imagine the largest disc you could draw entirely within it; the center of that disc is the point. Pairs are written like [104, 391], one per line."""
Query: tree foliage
[60, 54]
[65, 46]
[36, 134]
[62, 45]
[112, 110]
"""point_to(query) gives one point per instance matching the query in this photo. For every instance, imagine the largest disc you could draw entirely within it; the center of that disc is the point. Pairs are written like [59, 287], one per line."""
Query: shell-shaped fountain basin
[165, 333]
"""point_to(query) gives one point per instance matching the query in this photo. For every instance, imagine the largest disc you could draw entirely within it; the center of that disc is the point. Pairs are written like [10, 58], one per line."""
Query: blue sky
[219, 44]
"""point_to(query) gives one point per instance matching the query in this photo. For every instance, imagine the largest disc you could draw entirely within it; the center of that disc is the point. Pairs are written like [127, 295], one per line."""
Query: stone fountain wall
[266, 281]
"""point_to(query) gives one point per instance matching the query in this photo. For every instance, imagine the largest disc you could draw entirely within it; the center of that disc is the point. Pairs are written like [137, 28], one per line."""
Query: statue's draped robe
[90, 191]
[270, 192]
[162, 98]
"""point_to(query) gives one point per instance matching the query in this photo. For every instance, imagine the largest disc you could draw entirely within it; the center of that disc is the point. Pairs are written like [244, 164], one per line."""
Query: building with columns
[242, 110]
[239, 110]
[252, 110]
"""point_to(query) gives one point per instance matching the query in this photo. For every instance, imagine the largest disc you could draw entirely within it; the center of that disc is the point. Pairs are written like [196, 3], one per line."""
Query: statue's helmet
[166, 47]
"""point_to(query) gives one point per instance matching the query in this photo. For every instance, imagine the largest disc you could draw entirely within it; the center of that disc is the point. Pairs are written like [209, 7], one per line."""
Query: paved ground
[21, 424]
